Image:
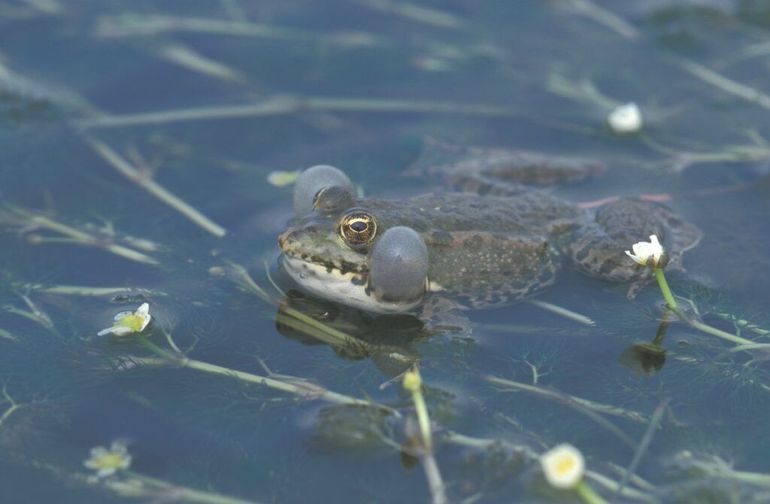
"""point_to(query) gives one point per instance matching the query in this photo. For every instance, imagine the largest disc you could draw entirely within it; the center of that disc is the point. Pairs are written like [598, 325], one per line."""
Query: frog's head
[349, 254]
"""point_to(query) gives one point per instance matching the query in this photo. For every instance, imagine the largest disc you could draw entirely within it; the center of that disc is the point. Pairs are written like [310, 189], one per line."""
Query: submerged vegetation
[146, 163]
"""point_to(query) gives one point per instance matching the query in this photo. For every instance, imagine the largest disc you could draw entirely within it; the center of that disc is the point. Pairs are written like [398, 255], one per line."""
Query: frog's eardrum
[313, 180]
[398, 265]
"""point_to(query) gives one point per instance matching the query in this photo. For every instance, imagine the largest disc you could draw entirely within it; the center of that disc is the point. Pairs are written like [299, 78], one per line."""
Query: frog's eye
[358, 228]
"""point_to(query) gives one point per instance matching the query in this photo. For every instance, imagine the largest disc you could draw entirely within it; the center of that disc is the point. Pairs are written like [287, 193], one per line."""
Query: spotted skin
[598, 247]
[483, 269]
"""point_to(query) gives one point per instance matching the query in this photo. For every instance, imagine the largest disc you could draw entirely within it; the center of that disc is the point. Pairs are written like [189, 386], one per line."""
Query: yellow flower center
[565, 465]
[110, 460]
[133, 322]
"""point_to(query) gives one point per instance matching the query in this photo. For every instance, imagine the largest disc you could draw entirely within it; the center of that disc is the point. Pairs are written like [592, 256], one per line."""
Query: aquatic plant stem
[644, 444]
[607, 19]
[694, 323]
[7, 335]
[297, 387]
[128, 483]
[423, 419]
[30, 315]
[708, 329]
[588, 494]
[186, 494]
[87, 239]
[726, 84]
[413, 383]
[142, 25]
[562, 312]
[30, 219]
[588, 408]
[665, 289]
[83, 290]
[13, 406]
[146, 182]
[435, 481]
[570, 399]
[528, 454]
[284, 105]
[415, 12]
[612, 485]
[299, 321]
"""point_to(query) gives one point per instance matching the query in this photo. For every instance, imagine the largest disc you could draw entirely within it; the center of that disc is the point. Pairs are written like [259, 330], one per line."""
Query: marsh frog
[495, 241]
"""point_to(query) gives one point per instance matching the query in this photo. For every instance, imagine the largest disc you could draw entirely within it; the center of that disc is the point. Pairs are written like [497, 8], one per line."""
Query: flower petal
[106, 471]
[636, 259]
[121, 315]
[563, 466]
[145, 321]
[650, 253]
[121, 330]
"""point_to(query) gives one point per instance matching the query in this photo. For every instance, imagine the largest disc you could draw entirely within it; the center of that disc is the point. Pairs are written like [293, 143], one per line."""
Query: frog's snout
[290, 239]
[283, 239]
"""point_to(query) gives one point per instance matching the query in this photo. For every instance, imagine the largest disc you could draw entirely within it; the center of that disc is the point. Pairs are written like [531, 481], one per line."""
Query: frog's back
[484, 250]
[530, 213]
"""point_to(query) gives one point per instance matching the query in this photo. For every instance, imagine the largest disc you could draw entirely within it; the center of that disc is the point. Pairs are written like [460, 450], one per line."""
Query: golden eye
[358, 228]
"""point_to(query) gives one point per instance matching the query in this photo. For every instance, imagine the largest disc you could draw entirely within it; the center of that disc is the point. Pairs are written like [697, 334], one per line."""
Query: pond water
[137, 141]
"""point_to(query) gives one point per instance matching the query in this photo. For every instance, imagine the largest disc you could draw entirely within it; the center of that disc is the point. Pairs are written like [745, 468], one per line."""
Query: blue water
[363, 85]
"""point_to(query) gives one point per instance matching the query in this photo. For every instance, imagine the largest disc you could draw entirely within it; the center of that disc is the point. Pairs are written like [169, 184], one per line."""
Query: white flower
[648, 253]
[625, 119]
[107, 461]
[563, 466]
[128, 322]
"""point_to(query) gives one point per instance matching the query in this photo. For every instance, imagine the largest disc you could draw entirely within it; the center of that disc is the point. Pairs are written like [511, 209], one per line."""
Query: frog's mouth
[348, 286]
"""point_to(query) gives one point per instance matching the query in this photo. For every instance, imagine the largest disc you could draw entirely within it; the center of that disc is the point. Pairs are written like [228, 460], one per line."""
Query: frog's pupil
[359, 226]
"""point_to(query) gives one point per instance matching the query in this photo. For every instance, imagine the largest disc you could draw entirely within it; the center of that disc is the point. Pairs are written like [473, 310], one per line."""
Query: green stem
[748, 477]
[423, 419]
[298, 388]
[665, 289]
[588, 494]
[158, 350]
[186, 493]
[662, 329]
[694, 323]
[697, 324]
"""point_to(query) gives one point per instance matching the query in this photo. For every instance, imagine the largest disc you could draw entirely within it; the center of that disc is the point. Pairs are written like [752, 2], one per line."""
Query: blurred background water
[207, 98]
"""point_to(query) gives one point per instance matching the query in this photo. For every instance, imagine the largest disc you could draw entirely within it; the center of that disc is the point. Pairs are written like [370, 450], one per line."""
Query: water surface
[206, 99]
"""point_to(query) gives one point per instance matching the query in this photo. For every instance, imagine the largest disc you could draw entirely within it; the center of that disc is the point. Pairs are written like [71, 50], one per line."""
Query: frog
[496, 237]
